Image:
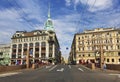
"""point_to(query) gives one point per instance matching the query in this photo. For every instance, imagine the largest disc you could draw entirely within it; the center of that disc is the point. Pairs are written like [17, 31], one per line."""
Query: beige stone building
[100, 44]
[41, 45]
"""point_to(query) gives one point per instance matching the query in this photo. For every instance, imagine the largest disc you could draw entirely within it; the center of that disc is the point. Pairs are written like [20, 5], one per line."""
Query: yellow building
[97, 45]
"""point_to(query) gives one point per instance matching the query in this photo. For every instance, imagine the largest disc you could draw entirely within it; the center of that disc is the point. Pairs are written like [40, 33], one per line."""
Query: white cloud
[65, 29]
[68, 2]
[94, 5]
[11, 19]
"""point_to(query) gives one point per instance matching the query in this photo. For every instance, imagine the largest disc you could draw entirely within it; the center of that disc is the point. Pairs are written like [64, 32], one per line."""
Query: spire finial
[49, 11]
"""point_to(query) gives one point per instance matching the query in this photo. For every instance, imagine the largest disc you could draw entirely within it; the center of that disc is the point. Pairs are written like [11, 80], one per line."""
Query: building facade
[97, 45]
[4, 54]
[40, 45]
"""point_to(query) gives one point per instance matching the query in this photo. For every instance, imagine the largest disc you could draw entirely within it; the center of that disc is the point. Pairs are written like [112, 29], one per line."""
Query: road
[60, 73]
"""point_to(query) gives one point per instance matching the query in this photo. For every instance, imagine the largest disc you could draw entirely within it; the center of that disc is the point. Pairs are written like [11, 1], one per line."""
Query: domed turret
[49, 23]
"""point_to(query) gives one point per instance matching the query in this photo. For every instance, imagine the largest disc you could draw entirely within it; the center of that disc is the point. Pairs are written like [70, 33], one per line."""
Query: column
[33, 52]
[16, 53]
[10, 53]
[47, 49]
[22, 53]
[53, 51]
[27, 57]
[39, 49]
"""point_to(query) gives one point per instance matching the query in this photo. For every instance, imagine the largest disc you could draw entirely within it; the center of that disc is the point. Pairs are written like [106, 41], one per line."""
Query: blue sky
[69, 17]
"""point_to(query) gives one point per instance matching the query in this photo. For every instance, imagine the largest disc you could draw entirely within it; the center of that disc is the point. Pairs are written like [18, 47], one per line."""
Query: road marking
[9, 74]
[69, 66]
[86, 67]
[48, 66]
[115, 75]
[53, 68]
[80, 69]
[61, 70]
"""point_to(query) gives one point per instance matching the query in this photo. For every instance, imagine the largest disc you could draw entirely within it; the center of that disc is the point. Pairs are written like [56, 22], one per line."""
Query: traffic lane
[92, 76]
[85, 69]
[60, 68]
[69, 75]
[39, 76]
[26, 75]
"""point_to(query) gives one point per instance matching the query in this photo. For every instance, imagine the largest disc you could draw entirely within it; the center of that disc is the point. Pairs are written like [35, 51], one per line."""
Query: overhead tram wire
[84, 11]
[77, 23]
[30, 25]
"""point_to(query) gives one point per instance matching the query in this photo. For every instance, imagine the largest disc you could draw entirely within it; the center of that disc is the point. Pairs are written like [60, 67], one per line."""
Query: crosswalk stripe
[69, 66]
[8, 74]
[53, 68]
[80, 69]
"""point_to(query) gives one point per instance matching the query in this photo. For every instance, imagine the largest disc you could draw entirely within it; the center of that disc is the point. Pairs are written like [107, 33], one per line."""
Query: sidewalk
[106, 70]
[22, 70]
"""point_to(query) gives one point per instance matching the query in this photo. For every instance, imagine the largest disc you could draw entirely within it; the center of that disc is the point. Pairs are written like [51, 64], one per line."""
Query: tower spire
[49, 23]
[49, 12]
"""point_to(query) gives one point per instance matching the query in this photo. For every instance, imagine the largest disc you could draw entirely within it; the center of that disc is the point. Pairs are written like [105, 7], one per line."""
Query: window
[25, 45]
[117, 41]
[82, 37]
[19, 50]
[43, 44]
[89, 55]
[106, 47]
[107, 60]
[50, 55]
[118, 53]
[19, 45]
[83, 48]
[118, 47]
[14, 46]
[42, 55]
[13, 56]
[31, 44]
[83, 55]
[50, 48]
[111, 47]
[37, 44]
[112, 60]
[79, 55]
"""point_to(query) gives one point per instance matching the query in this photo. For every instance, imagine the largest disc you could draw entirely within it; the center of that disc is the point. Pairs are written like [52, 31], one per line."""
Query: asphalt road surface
[60, 73]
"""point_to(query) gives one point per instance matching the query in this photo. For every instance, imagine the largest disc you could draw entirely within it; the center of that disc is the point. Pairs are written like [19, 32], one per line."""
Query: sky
[68, 16]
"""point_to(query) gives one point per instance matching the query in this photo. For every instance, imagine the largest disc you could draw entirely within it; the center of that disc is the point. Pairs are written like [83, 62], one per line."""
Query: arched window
[37, 44]
[31, 44]
[43, 44]
[19, 45]
[25, 45]
[14, 45]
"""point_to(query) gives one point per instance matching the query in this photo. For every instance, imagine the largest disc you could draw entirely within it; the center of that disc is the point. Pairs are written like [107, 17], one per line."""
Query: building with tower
[40, 45]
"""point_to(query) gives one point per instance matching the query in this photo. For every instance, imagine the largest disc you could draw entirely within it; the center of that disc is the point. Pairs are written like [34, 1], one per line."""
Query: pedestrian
[104, 66]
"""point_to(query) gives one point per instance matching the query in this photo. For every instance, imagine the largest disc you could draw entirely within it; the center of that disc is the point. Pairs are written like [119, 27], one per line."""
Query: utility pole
[101, 54]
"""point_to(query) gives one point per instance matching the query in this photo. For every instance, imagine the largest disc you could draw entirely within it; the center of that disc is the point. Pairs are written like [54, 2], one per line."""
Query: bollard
[33, 66]
[93, 66]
